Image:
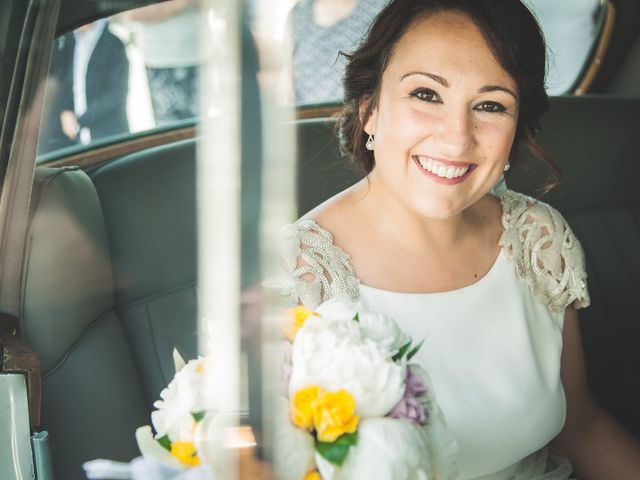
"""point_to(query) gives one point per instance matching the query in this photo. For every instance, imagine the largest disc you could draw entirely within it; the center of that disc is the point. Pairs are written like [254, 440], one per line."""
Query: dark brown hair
[512, 33]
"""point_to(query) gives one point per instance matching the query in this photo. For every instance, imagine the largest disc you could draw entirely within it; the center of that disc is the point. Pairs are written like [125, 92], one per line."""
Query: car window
[571, 28]
[318, 31]
[118, 76]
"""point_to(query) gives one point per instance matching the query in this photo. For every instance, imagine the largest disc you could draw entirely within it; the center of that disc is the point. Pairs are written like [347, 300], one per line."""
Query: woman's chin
[438, 209]
[446, 205]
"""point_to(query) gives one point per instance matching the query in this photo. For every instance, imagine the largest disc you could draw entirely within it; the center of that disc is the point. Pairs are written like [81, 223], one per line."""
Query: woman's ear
[367, 115]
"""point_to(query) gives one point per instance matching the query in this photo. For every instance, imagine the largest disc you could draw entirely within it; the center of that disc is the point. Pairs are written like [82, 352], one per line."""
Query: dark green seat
[91, 396]
[596, 141]
[110, 289]
[149, 206]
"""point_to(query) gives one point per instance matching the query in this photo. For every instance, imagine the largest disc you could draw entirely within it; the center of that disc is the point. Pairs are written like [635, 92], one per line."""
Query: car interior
[110, 267]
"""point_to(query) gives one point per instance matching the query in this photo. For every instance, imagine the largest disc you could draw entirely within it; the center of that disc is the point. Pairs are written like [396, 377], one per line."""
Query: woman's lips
[444, 171]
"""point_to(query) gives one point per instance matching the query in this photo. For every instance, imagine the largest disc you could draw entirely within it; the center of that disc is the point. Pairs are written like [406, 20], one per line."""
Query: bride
[438, 98]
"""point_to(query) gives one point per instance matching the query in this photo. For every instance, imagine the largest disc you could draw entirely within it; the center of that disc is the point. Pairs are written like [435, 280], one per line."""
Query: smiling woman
[524, 60]
[461, 119]
[438, 98]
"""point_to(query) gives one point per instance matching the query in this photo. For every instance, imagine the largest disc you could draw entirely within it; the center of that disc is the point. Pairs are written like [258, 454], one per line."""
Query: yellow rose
[297, 317]
[301, 407]
[185, 452]
[313, 476]
[333, 415]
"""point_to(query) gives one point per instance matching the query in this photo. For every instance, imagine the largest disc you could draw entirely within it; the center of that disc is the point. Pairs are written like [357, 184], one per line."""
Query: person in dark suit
[87, 90]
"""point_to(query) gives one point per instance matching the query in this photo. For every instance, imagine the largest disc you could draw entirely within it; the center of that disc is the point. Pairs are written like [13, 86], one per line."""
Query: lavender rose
[410, 405]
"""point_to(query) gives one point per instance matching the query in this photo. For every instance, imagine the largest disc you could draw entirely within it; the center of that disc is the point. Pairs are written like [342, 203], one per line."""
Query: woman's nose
[455, 134]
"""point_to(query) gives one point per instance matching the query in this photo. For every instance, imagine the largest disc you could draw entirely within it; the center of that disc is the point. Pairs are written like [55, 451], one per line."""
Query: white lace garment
[492, 348]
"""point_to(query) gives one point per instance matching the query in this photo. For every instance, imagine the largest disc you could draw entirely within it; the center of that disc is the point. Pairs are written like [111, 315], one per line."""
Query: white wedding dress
[492, 349]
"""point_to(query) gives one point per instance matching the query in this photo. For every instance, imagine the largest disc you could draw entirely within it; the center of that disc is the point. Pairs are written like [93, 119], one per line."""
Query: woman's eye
[426, 95]
[490, 107]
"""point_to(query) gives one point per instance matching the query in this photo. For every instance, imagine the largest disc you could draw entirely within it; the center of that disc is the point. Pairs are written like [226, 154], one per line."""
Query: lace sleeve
[545, 252]
[315, 269]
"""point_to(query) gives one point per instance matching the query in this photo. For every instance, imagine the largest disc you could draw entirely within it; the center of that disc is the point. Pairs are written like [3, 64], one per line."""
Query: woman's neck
[394, 248]
[409, 230]
[327, 13]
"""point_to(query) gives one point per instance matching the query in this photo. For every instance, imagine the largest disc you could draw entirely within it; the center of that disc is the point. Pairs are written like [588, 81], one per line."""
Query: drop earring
[370, 143]
[507, 167]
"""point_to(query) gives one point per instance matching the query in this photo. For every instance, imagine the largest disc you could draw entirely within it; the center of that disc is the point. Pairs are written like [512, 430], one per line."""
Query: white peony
[388, 448]
[209, 438]
[376, 326]
[150, 448]
[294, 447]
[339, 309]
[336, 353]
[383, 330]
[184, 396]
[444, 448]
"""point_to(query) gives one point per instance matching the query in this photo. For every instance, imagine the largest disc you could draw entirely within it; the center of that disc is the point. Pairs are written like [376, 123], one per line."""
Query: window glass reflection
[135, 71]
[317, 30]
[167, 36]
[570, 28]
[87, 88]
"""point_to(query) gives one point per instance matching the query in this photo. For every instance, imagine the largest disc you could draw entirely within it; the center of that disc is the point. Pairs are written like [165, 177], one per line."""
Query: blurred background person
[87, 90]
[169, 39]
[320, 29]
[94, 88]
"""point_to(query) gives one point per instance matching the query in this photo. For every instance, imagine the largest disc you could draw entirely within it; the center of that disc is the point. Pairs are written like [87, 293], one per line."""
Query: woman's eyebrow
[493, 88]
[432, 76]
[442, 81]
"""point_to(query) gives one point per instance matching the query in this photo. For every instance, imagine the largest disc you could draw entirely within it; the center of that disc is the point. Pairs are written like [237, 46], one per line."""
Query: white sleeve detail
[315, 269]
[545, 252]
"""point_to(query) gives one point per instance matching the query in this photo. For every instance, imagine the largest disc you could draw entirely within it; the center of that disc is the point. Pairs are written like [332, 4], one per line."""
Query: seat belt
[20, 376]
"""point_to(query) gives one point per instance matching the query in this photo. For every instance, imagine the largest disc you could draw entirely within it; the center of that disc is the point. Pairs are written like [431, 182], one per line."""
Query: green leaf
[357, 318]
[197, 416]
[164, 442]
[336, 452]
[401, 352]
[414, 350]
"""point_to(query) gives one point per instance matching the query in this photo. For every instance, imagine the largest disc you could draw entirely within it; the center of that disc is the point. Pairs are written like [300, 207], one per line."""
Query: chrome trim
[593, 67]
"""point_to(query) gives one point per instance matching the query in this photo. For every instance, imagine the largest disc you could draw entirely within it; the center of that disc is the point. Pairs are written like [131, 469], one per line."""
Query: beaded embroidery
[544, 251]
[317, 269]
[536, 239]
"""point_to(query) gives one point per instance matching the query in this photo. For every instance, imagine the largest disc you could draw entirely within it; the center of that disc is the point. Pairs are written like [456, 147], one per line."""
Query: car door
[110, 277]
[26, 32]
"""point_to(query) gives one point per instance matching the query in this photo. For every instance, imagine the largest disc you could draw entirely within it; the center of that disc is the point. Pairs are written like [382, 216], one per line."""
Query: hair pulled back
[510, 30]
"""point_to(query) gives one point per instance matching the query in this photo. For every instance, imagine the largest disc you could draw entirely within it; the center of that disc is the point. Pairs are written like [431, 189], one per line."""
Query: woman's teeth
[441, 170]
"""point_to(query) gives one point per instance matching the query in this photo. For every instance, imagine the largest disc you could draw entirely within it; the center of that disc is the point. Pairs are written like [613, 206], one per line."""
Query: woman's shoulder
[316, 269]
[544, 250]
[536, 238]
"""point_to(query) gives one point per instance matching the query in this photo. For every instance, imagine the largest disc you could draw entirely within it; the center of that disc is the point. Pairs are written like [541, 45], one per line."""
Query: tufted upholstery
[110, 289]
[149, 206]
[91, 398]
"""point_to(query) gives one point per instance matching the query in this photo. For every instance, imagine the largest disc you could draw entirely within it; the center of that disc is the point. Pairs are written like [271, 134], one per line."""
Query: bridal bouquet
[356, 408]
[180, 449]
